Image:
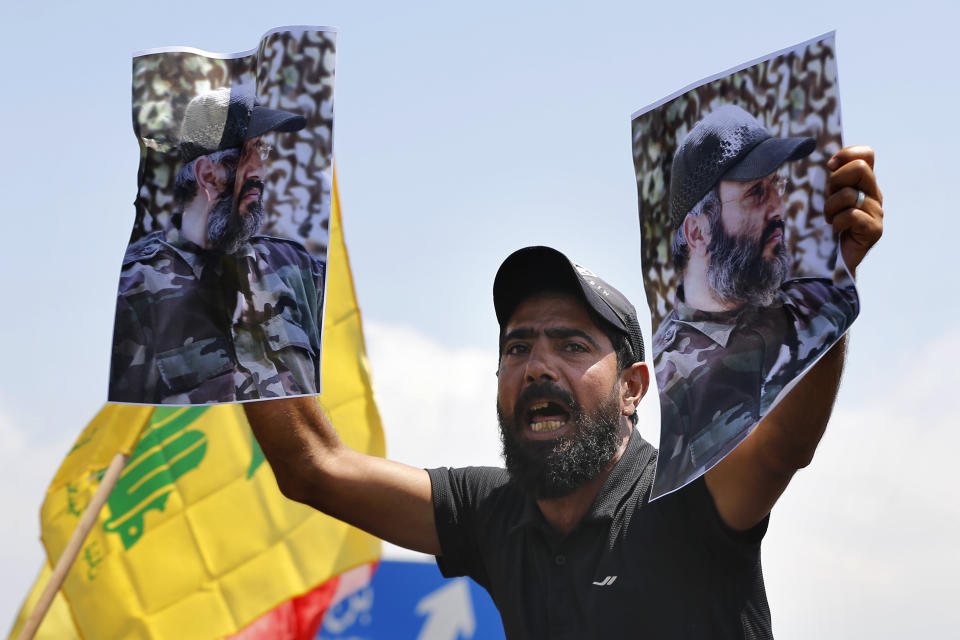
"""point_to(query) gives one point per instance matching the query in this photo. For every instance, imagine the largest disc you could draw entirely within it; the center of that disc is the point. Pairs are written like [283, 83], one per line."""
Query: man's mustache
[249, 185]
[543, 391]
[772, 227]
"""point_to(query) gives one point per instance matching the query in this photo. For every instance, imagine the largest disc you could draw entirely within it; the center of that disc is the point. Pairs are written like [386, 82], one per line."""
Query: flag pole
[73, 547]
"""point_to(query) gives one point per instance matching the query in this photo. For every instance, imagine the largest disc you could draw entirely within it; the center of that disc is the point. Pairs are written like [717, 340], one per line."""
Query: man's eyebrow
[556, 333]
[564, 332]
[523, 333]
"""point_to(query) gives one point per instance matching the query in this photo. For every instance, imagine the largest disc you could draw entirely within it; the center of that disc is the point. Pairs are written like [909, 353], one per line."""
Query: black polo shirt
[629, 569]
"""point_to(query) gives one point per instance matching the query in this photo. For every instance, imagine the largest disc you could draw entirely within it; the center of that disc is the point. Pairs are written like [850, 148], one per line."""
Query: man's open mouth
[546, 416]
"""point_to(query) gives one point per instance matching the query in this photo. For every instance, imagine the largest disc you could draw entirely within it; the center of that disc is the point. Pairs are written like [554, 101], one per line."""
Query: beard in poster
[228, 229]
[556, 468]
[739, 272]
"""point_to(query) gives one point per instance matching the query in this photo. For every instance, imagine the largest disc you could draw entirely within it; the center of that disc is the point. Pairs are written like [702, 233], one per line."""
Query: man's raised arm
[387, 499]
[746, 484]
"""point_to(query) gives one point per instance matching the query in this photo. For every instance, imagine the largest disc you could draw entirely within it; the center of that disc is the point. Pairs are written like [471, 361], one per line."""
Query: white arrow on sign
[449, 612]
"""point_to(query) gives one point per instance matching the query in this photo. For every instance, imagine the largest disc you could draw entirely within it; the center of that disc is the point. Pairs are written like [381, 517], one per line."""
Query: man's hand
[851, 172]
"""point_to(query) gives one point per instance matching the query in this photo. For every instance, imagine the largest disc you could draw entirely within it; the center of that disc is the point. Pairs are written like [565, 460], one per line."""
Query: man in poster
[741, 331]
[210, 311]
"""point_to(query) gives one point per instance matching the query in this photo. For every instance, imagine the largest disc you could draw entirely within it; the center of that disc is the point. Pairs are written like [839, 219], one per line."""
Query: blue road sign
[411, 600]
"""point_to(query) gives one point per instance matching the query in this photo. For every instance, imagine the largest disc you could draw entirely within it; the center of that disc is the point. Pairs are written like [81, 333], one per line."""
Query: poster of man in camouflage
[742, 275]
[221, 291]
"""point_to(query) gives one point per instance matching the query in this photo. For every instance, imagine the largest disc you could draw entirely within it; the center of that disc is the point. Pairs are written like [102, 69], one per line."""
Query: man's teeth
[538, 425]
[546, 425]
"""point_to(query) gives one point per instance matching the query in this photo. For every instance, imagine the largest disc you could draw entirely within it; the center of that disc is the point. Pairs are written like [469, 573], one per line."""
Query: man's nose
[540, 365]
[776, 208]
[255, 169]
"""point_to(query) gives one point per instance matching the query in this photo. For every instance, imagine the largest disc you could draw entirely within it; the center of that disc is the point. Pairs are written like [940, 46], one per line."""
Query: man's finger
[857, 174]
[859, 231]
[847, 199]
[848, 154]
[866, 226]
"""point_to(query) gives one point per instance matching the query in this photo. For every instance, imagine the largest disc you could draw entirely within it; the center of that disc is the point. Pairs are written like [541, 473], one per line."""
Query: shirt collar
[718, 325]
[621, 480]
[198, 257]
[530, 516]
[194, 255]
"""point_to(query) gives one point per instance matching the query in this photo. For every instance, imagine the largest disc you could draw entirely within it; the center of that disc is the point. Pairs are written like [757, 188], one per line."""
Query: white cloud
[438, 404]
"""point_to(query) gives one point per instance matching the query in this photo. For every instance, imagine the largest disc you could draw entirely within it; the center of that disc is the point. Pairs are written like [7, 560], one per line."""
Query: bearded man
[740, 331]
[565, 538]
[210, 311]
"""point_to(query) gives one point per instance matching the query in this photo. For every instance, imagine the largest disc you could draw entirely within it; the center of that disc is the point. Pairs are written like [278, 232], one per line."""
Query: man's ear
[634, 382]
[210, 178]
[696, 229]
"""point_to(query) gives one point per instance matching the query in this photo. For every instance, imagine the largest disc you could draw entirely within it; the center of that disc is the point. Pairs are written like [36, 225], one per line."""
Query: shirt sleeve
[458, 504]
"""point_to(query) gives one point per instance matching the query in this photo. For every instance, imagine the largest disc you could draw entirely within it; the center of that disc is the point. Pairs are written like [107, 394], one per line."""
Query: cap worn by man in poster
[728, 144]
[225, 119]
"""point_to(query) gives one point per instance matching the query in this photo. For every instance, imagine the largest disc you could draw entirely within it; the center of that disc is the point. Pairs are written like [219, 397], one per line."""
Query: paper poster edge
[230, 56]
[736, 443]
[209, 404]
[659, 103]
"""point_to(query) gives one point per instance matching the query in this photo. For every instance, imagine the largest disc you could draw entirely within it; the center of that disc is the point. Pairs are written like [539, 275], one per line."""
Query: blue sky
[463, 132]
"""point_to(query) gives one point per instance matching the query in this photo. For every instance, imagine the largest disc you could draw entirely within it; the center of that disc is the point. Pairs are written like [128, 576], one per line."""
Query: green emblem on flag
[166, 451]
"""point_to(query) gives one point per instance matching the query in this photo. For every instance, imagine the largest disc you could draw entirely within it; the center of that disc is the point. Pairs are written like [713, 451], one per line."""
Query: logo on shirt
[606, 582]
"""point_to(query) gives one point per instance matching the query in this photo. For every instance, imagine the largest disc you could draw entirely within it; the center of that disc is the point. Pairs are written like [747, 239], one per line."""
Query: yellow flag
[196, 540]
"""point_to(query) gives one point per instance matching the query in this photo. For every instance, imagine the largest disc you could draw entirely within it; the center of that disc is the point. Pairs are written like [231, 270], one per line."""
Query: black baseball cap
[225, 119]
[728, 144]
[531, 270]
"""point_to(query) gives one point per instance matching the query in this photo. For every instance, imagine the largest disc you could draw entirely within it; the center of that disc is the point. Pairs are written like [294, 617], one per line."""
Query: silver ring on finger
[861, 196]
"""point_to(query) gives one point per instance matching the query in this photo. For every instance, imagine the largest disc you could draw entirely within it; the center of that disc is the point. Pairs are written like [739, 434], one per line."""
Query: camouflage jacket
[720, 373]
[194, 326]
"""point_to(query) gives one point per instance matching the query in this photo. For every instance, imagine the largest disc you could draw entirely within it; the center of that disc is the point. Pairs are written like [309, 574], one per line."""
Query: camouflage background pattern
[294, 71]
[794, 94]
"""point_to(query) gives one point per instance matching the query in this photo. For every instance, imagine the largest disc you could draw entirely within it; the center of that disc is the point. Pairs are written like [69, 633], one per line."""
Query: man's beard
[739, 273]
[557, 467]
[227, 228]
